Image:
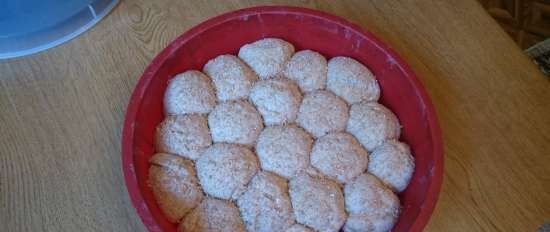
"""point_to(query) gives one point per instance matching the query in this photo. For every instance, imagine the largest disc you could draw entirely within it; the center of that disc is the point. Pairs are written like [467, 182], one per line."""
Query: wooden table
[62, 112]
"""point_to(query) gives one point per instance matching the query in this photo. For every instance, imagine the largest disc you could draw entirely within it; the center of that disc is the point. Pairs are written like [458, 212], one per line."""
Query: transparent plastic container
[30, 26]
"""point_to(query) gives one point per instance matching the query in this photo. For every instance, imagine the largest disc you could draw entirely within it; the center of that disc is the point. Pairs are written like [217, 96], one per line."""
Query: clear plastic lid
[30, 26]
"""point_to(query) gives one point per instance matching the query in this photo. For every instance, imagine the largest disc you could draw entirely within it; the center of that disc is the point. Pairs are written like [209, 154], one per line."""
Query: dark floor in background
[526, 21]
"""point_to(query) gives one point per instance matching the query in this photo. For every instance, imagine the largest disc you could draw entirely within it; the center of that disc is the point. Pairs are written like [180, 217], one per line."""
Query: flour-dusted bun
[173, 163]
[322, 112]
[371, 205]
[183, 135]
[213, 215]
[393, 163]
[339, 156]
[232, 78]
[267, 57]
[372, 124]
[308, 69]
[351, 80]
[277, 100]
[189, 92]
[235, 122]
[224, 170]
[174, 184]
[284, 149]
[298, 228]
[265, 205]
[318, 202]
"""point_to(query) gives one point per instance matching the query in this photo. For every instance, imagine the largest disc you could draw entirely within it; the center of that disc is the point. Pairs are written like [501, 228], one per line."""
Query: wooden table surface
[62, 112]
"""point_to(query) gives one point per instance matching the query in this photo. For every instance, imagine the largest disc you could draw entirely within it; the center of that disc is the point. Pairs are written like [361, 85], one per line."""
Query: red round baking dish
[306, 29]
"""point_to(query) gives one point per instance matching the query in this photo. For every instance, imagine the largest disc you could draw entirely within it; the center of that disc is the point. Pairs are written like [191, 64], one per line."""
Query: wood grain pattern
[62, 111]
